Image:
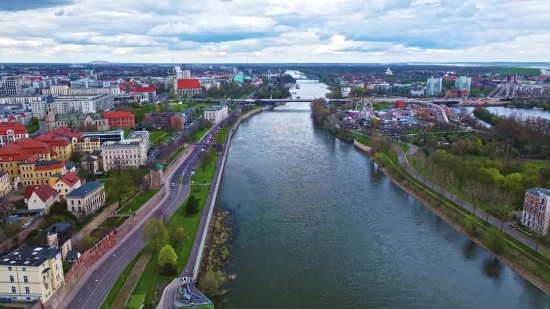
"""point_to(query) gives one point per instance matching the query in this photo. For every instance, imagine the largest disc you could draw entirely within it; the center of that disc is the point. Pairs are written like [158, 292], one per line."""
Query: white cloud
[275, 30]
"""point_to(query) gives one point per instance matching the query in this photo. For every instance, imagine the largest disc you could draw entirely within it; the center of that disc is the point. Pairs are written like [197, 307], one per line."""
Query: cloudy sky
[218, 31]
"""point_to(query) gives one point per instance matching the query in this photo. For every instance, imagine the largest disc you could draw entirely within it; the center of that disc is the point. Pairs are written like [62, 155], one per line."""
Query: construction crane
[473, 111]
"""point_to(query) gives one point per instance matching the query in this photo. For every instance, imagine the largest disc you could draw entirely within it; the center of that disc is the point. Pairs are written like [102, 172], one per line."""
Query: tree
[172, 96]
[211, 282]
[192, 205]
[123, 190]
[88, 241]
[167, 260]
[75, 157]
[155, 234]
[34, 121]
[176, 235]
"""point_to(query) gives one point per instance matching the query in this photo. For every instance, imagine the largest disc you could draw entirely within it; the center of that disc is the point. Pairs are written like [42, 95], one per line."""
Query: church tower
[50, 114]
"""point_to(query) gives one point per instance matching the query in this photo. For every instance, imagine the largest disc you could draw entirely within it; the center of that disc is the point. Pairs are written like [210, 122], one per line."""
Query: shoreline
[518, 269]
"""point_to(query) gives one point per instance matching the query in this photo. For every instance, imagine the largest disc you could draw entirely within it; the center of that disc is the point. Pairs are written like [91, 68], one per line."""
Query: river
[317, 225]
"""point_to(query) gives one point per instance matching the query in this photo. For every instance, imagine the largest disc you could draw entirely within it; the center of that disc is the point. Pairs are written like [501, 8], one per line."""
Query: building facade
[163, 121]
[144, 135]
[31, 273]
[216, 113]
[120, 120]
[4, 183]
[434, 86]
[40, 198]
[66, 183]
[106, 136]
[463, 83]
[87, 199]
[536, 210]
[130, 152]
[187, 87]
[74, 104]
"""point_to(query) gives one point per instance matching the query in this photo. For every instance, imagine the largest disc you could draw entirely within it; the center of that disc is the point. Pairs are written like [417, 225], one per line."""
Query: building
[66, 183]
[40, 198]
[120, 120]
[92, 121]
[150, 92]
[86, 144]
[11, 131]
[12, 87]
[216, 113]
[62, 146]
[74, 104]
[433, 86]
[92, 161]
[536, 210]
[16, 157]
[87, 199]
[106, 136]
[31, 273]
[130, 152]
[59, 237]
[38, 172]
[164, 121]
[388, 71]
[144, 135]
[463, 83]
[4, 183]
[187, 87]
[20, 100]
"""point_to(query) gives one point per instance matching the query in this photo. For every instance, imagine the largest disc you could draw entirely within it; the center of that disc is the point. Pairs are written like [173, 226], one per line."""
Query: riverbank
[454, 216]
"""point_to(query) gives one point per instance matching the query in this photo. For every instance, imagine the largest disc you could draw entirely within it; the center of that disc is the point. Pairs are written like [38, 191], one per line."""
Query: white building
[463, 83]
[40, 197]
[66, 90]
[75, 104]
[536, 210]
[11, 131]
[388, 71]
[12, 87]
[144, 135]
[345, 91]
[87, 199]
[433, 86]
[216, 114]
[31, 273]
[129, 152]
[22, 100]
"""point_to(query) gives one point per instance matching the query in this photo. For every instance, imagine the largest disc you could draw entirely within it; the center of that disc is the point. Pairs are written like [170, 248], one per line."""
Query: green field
[138, 201]
[136, 301]
[520, 71]
[158, 136]
[119, 283]
[32, 128]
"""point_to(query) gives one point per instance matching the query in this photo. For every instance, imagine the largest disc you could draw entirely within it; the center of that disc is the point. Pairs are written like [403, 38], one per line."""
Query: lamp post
[188, 241]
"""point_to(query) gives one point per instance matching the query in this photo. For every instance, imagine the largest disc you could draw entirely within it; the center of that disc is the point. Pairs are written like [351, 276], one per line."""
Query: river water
[317, 225]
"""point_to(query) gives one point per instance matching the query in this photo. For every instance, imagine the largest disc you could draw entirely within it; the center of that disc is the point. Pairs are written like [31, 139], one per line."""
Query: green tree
[155, 234]
[211, 282]
[88, 241]
[495, 242]
[172, 96]
[176, 235]
[75, 157]
[167, 260]
[123, 188]
[34, 121]
[192, 205]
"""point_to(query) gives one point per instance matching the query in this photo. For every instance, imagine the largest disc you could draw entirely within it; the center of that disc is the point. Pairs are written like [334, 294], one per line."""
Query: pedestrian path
[130, 282]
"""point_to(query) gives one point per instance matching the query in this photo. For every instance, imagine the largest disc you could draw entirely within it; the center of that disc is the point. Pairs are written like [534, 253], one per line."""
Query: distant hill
[99, 62]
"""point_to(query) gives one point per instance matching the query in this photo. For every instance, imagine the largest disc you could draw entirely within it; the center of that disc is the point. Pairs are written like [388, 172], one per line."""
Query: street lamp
[188, 241]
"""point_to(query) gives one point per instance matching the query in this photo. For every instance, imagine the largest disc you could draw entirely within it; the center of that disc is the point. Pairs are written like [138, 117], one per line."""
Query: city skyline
[274, 31]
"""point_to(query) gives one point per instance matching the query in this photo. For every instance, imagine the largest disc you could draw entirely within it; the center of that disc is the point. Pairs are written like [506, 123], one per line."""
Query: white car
[172, 185]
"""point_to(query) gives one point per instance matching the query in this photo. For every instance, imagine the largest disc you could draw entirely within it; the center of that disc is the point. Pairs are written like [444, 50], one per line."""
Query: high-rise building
[12, 87]
[463, 83]
[433, 86]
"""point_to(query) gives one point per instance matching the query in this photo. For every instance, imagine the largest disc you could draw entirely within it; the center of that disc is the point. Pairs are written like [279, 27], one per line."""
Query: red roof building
[11, 131]
[188, 87]
[40, 197]
[120, 120]
[143, 90]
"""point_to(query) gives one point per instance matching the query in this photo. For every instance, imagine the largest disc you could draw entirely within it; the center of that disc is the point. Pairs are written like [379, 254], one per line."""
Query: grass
[136, 301]
[404, 147]
[204, 176]
[520, 71]
[138, 201]
[199, 134]
[381, 106]
[32, 128]
[119, 282]
[158, 136]
[361, 138]
[131, 281]
[175, 155]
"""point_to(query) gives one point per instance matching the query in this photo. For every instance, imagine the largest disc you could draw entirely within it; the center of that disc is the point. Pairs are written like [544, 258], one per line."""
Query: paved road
[486, 217]
[92, 289]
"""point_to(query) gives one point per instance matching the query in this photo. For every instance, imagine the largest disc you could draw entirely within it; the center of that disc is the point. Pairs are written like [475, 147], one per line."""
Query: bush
[472, 226]
[192, 205]
[494, 242]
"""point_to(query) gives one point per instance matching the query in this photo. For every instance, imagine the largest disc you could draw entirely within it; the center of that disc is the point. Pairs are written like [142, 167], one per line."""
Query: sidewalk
[92, 225]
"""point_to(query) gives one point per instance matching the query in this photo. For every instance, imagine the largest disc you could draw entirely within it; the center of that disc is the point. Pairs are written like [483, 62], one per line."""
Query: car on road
[172, 185]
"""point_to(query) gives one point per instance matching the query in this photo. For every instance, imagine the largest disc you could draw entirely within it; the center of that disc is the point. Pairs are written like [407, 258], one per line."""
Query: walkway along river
[319, 226]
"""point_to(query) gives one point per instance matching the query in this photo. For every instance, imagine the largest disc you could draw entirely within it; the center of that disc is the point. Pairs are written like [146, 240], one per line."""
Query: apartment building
[434, 86]
[130, 152]
[164, 121]
[12, 87]
[216, 113]
[31, 273]
[21, 100]
[38, 172]
[144, 135]
[40, 198]
[59, 236]
[86, 144]
[71, 104]
[87, 199]
[65, 184]
[62, 146]
[12, 131]
[536, 210]
[120, 120]
[4, 183]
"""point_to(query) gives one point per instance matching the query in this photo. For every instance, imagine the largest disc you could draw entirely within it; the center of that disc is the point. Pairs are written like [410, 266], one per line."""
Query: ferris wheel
[365, 109]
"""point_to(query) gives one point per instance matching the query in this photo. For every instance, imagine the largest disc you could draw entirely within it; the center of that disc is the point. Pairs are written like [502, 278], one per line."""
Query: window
[57, 278]
[46, 285]
[27, 290]
[9, 268]
[24, 268]
[11, 279]
[25, 279]
[13, 289]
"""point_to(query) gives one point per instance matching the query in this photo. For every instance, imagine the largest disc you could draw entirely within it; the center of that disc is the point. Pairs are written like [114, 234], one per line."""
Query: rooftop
[76, 117]
[44, 192]
[125, 143]
[29, 256]
[86, 189]
[115, 115]
[57, 228]
[539, 191]
[189, 83]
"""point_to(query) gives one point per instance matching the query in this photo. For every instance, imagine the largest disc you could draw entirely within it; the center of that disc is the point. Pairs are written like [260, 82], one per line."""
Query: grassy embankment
[520, 71]
[524, 260]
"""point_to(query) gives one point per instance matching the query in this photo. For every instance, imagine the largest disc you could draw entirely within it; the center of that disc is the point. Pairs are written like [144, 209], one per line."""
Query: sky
[274, 31]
